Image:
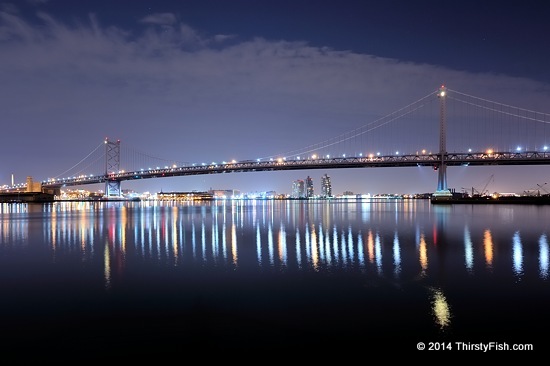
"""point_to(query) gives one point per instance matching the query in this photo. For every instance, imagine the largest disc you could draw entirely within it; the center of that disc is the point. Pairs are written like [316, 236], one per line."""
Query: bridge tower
[112, 165]
[442, 192]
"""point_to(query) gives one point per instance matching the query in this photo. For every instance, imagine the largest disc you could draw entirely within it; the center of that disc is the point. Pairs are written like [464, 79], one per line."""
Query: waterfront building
[310, 193]
[184, 196]
[326, 186]
[298, 189]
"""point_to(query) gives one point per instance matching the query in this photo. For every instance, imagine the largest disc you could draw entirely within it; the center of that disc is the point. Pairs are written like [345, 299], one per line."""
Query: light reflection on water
[291, 234]
[543, 257]
[321, 235]
[424, 251]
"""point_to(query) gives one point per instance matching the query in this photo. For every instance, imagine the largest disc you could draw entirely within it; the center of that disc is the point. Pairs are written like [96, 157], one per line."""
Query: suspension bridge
[482, 132]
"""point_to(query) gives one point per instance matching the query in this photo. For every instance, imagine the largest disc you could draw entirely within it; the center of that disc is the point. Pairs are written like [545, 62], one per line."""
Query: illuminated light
[280, 160]
[314, 156]
[397, 153]
[377, 154]
[518, 148]
[344, 155]
[423, 151]
[371, 156]
[233, 161]
[258, 160]
[469, 150]
[545, 148]
[442, 91]
[490, 151]
[360, 154]
[328, 156]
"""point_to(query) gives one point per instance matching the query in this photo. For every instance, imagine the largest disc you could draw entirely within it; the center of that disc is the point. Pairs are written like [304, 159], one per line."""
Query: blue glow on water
[543, 256]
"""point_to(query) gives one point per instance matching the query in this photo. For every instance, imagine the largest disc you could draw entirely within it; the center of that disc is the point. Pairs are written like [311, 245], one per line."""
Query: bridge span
[416, 160]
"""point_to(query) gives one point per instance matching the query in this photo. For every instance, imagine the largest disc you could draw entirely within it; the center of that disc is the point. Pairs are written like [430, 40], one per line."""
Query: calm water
[156, 279]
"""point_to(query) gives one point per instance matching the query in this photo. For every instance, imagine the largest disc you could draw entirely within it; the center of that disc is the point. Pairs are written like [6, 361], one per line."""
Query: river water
[83, 280]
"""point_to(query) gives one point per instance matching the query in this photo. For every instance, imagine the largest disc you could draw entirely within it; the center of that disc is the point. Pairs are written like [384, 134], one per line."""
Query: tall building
[309, 187]
[298, 189]
[326, 186]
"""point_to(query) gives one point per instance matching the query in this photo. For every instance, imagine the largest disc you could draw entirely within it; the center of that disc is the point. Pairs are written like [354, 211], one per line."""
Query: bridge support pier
[112, 188]
[443, 192]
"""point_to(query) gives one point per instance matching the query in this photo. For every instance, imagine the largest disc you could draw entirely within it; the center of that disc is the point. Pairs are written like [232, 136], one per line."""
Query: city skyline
[211, 80]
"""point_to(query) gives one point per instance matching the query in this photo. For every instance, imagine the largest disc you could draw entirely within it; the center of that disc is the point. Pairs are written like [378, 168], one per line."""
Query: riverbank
[20, 197]
[516, 200]
[38, 197]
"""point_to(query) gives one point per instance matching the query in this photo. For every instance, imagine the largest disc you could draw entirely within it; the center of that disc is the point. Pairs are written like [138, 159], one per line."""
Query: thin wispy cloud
[161, 19]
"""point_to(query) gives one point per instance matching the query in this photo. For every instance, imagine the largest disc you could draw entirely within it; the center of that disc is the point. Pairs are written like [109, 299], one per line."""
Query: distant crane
[537, 190]
[482, 192]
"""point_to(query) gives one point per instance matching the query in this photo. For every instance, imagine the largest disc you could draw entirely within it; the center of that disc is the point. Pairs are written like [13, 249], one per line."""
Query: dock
[488, 200]
[17, 197]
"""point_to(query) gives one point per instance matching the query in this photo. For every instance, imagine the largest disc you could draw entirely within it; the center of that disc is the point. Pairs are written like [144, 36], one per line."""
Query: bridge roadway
[434, 160]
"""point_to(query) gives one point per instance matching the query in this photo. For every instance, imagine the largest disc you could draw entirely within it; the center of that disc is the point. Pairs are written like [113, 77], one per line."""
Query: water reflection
[543, 256]
[488, 246]
[396, 255]
[517, 255]
[278, 235]
[412, 251]
[468, 250]
[423, 254]
[440, 308]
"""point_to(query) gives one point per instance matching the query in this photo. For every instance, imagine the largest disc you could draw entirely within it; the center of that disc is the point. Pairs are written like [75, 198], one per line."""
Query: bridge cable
[86, 157]
[343, 137]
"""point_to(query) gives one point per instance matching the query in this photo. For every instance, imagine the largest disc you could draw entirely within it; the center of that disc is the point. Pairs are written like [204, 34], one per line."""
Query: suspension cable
[86, 157]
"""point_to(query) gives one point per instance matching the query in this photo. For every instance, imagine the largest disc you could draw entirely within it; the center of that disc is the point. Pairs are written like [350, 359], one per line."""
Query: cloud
[179, 66]
[9, 8]
[223, 37]
[160, 19]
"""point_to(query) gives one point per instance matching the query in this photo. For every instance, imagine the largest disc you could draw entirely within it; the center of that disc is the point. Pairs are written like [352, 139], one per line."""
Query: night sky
[219, 80]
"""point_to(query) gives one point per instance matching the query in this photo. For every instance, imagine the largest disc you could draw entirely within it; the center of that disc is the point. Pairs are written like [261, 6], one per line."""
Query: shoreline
[513, 200]
[523, 200]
